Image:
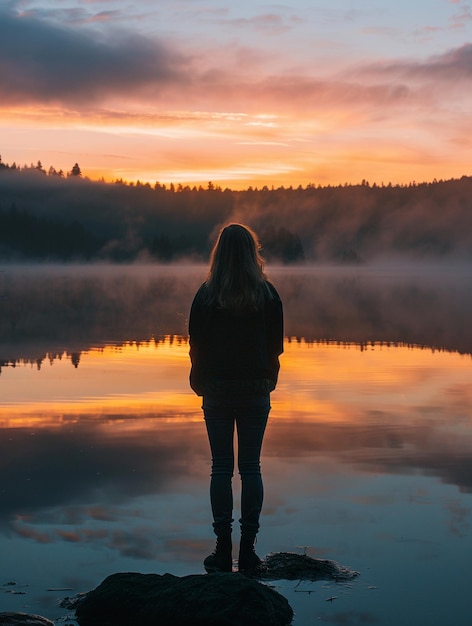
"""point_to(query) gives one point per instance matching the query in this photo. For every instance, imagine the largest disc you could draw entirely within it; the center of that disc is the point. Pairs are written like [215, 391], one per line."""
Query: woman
[236, 337]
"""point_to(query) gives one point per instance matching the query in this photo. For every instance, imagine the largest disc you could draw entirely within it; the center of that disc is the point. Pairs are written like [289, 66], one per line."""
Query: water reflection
[104, 465]
[381, 410]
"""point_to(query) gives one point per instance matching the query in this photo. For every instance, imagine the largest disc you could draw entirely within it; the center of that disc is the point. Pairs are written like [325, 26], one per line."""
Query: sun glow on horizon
[236, 150]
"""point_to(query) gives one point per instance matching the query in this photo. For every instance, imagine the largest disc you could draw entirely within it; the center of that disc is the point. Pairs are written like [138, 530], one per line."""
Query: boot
[248, 559]
[221, 559]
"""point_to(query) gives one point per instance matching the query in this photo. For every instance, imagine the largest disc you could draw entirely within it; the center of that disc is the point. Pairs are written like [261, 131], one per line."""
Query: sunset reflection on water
[134, 379]
[318, 382]
[104, 464]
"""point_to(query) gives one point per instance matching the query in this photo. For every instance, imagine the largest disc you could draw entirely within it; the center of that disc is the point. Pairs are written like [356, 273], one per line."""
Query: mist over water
[49, 309]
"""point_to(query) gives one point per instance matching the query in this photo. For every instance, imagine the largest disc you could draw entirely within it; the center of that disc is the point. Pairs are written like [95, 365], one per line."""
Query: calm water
[367, 459]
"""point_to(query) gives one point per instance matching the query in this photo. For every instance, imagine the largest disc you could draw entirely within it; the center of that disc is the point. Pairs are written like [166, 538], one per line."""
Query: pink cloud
[69, 536]
[31, 533]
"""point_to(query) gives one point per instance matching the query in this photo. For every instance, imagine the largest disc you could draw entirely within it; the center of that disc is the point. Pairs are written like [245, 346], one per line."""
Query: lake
[367, 458]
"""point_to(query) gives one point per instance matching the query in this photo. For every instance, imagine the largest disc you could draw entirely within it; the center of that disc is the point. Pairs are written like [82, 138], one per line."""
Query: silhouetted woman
[236, 337]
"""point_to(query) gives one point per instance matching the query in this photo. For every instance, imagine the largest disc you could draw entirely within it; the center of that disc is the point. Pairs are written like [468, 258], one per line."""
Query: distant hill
[50, 216]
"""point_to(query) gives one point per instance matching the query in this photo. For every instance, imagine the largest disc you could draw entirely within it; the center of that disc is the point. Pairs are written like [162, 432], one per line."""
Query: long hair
[236, 280]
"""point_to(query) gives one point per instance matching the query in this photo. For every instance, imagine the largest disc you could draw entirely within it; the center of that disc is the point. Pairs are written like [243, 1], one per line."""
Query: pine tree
[76, 171]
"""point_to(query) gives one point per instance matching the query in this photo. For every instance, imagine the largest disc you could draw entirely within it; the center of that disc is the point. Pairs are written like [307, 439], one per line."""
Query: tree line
[38, 168]
[52, 216]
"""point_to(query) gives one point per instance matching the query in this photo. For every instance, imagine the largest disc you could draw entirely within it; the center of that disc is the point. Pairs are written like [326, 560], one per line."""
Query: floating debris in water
[291, 566]
[17, 593]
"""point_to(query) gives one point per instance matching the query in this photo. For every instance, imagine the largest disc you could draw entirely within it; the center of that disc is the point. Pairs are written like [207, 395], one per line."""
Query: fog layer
[47, 311]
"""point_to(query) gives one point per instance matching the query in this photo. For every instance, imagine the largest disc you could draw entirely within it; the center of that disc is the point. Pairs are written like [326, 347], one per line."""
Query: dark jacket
[235, 349]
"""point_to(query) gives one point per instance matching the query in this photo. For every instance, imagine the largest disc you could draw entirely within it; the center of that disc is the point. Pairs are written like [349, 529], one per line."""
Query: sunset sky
[239, 93]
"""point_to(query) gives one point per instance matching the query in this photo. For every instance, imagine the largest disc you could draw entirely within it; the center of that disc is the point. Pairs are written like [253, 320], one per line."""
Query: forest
[56, 216]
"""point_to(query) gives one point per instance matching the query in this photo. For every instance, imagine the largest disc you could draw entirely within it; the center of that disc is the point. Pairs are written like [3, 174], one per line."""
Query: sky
[246, 93]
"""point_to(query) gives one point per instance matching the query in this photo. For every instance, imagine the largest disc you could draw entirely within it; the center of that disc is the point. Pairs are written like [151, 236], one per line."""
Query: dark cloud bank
[43, 61]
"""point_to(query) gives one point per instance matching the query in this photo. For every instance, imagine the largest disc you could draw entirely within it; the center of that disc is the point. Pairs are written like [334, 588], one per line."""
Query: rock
[71, 602]
[226, 599]
[290, 566]
[23, 619]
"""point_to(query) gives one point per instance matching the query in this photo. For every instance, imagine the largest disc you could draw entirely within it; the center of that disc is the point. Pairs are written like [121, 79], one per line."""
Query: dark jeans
[250, 415]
